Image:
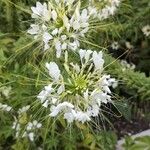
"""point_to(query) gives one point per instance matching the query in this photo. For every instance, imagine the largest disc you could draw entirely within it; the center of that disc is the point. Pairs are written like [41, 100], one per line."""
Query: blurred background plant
[121, 37]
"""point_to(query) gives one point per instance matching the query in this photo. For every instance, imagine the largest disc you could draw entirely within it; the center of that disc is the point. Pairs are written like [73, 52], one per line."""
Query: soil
[124, 127]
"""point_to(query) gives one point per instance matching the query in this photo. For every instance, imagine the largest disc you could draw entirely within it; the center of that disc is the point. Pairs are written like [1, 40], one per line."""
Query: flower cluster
[79, 94]
[59, 24]
[5, 107]
[24, 128]
[103, 8]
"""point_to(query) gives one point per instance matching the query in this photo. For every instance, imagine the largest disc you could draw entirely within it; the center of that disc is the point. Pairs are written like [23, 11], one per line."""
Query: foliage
[139, 143]
[21, 68]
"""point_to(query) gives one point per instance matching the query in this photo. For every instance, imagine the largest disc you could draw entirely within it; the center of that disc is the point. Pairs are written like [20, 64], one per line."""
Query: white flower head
[79, 94]
[58, 30]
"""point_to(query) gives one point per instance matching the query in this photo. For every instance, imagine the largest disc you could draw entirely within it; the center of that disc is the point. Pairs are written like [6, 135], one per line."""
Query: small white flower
[82, 117]
[74, 45]
[76, 67]
[29, 126]
[98, 60]
[87, 55]
[64, 46]
[54, 100]
[54, 71]
[54, 15]
[128, 45]
[46, 38]
[31, 136]
[115, 45]
[35, 122]
[58, 47]
[34, 29]
[63, 37]
[55, 32]
[39, 125]
[82, 54]
[40, 11]
[93, 110]
[45, 104]
[70, 116]
[146, 30]
[61, 89]
[113, 82]
[60, 107]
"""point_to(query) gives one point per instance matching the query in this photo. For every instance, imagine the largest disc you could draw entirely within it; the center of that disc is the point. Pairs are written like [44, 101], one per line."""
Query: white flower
[54, 15]
[55, 32]
[39, 125]
[82, 117]
[93, 110]
[61, 89]
[146, 30]
[31, 136]
[82, 54]
[74, 45]
[41, 12]
[29, 126]
[65, 106]
[45, 104]
[98, 60]
[79, 94]
[128, 45]
[58, 48]
[54, 71]
[102, 97]
[76, 67]
[115, 45]
[34, 29]
[46, 38]
[85, 54]
[105, 84]
[43, 95]
[113, 82]
[70, 116]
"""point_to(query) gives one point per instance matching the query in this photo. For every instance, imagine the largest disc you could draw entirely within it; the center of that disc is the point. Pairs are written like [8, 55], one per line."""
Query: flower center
[80, 83]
